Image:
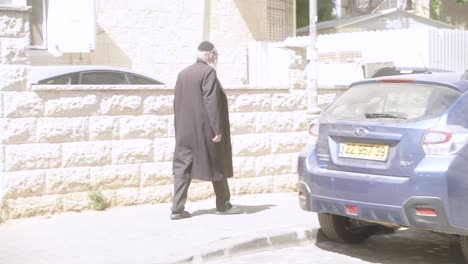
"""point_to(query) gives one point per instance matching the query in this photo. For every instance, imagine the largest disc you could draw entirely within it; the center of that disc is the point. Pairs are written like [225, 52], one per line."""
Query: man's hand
[217, 138]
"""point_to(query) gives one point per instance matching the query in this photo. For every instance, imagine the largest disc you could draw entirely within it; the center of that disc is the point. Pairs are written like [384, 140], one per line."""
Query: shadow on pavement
[246, 209]
[403, 247]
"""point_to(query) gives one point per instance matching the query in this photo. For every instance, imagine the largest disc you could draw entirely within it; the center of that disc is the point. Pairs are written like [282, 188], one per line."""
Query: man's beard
[213, 65]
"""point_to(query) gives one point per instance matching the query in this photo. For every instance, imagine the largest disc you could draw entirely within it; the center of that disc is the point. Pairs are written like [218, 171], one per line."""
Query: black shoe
[233, 209]
[179, 216]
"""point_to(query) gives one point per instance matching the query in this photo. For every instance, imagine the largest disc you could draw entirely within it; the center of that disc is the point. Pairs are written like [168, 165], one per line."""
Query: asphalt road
[403, 247]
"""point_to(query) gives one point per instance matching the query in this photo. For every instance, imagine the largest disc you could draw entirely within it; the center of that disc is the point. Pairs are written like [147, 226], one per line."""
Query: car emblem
[406, 163]
[360, 132]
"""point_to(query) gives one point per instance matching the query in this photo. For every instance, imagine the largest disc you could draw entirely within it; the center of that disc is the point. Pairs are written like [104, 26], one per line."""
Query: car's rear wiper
[384, 115]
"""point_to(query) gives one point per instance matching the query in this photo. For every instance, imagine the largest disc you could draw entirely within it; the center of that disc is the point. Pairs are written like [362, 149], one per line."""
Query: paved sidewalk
[145, 234]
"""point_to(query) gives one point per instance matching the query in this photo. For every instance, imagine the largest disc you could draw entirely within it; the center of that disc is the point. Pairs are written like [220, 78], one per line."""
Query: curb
[244, 244]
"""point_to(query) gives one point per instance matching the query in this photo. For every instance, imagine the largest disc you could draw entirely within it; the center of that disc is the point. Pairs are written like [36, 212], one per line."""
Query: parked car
[88, 74]
[390, 71]
[393, 152]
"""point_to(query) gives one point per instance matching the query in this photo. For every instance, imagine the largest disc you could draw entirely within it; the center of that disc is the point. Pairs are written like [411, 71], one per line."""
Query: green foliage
[302, 13]
[324, 11]
[95, 195]
[435, 8]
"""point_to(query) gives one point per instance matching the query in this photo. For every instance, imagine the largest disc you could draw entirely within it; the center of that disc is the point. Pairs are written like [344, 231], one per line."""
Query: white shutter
[71, 26]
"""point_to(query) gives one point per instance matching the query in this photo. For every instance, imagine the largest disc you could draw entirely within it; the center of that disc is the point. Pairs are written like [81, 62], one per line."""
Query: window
[62, 26]
[37, 23]
[103, 77]
[280, 19]
[136, 79]
[408, 101]
[62, 79]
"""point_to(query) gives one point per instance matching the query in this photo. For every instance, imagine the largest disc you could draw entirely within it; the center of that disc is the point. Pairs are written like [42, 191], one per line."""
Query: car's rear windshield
[393, 102]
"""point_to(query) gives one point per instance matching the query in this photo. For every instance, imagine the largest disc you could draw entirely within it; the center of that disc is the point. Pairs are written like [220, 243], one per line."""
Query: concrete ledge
[37, 87]
[14, 8]
[234, 246]
[250, 87]
[43, 87]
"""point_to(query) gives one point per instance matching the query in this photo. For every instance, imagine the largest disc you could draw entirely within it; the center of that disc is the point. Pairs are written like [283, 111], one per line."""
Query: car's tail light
[396, 80]
[426, 211]
[437, 136]
[445, 140]
[351, 210]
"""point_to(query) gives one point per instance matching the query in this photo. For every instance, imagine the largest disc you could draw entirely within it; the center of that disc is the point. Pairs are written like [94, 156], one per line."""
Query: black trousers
[181, 186]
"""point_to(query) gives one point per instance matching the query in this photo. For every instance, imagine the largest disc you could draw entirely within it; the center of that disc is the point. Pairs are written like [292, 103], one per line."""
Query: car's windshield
[398, 102]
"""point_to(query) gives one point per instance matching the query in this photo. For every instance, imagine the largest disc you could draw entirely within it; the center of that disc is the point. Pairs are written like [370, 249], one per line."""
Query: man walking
[202, 133]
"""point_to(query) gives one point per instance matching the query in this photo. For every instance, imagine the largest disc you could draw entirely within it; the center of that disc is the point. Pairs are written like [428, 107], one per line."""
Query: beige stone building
[156, 37]
[73, 148]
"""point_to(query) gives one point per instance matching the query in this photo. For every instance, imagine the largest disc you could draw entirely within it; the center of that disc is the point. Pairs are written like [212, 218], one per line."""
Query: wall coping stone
[15, 8]
[101, 87]
[135, 88]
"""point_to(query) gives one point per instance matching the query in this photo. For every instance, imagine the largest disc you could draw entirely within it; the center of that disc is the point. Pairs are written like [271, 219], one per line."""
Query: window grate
[280, 19]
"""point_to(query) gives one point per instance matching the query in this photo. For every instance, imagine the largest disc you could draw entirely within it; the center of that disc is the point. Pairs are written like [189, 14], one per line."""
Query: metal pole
[312, 59]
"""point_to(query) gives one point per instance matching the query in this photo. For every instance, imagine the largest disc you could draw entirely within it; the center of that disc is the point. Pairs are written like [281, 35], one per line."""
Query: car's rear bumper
[381, 199]
[405, 215]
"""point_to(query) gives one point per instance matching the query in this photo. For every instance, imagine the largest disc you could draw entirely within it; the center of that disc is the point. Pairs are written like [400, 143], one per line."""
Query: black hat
[206, 46]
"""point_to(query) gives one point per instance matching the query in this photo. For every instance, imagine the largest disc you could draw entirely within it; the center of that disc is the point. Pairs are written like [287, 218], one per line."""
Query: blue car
[391, 152]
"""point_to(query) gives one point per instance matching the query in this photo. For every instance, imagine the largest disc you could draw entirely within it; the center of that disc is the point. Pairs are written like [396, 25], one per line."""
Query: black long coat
[200, 113]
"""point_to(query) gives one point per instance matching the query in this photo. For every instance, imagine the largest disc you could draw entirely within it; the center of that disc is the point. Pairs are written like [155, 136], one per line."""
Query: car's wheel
[464, 246]
[344, 229]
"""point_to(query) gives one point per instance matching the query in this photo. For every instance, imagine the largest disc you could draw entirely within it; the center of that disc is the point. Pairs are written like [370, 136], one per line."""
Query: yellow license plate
[363, 151]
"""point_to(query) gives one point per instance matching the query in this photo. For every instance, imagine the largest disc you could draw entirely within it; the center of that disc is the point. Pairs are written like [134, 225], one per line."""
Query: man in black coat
[202, 133]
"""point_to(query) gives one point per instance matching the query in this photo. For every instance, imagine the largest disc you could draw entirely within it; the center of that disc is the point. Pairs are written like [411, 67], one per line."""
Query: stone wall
[14, 67]
[62, 148]
[14, 48]
[57, 143]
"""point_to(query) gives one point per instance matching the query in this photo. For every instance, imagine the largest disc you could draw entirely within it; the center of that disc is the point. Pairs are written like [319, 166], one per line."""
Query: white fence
[268, 64]
[448, 49]
[343, 57]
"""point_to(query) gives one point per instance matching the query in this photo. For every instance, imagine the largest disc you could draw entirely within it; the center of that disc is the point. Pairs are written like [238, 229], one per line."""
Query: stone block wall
[14, 68]
[56, 143]
[61, 144]
[14, 47]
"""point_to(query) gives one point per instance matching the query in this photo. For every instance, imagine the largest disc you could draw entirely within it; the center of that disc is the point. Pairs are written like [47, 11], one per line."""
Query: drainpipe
[312, 65]
[205, 20]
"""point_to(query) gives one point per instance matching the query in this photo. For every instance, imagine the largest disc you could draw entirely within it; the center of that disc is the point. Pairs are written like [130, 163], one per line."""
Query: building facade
[155, 37]
[72, 148]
